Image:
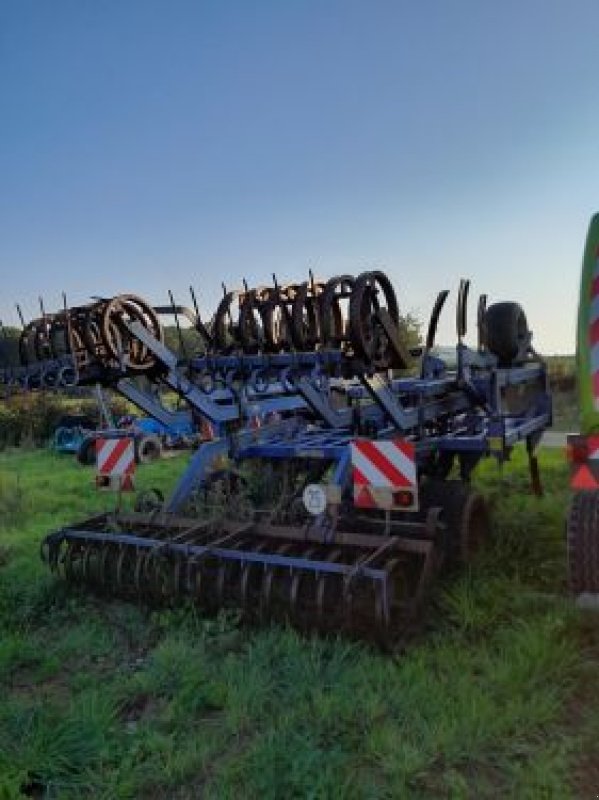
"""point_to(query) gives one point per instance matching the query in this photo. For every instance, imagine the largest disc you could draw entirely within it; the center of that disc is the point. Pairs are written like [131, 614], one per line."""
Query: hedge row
[30, 419]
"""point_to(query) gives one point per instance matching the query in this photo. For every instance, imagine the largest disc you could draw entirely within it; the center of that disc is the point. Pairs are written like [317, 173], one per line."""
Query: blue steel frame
[461, 412]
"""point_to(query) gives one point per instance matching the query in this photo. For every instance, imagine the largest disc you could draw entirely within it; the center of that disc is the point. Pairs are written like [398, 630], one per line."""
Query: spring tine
[20, 313]
[480, 317]
[68, 323]
[85, 570]
[245, 579]
[378, 609]
[4, 352]
[434, 318]
[177, 570]
[461, 308]
[102, 572]
[120, 567]
[220, 583]
[243, 591]
[109, 566]
[295, 585]
[198, 583]
[179, 334]
[348, 607]
[194, 301]
[266, 590]
[320, 587]
[67, 562]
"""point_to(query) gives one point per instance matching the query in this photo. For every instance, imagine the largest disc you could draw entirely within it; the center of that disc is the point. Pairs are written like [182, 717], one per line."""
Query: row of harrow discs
[344, 313]
[341, 313]
[92, 333]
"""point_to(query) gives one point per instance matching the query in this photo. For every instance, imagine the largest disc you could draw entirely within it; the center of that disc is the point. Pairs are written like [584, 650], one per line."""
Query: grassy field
[107, 700]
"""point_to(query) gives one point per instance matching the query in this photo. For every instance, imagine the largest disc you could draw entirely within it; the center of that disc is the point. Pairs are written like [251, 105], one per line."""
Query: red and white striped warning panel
[594, 332]
[384, 474]
[115, 461]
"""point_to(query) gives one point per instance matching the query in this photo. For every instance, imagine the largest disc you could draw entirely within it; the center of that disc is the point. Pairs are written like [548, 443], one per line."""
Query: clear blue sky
[148, 145]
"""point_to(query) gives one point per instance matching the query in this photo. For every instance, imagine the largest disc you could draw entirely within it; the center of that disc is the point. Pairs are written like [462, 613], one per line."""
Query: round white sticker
[315, 499]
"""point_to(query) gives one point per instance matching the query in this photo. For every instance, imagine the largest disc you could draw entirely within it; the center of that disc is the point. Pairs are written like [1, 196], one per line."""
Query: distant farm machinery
[364, 447]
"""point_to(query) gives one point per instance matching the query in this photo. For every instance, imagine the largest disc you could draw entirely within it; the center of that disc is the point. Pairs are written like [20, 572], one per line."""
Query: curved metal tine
[285, 313]
[102, 574]
[67, 562]
[95, 574]
[120, 567]
[199, 325]
[85, 565]
[245, 578]
[381, 610]
[480, 320]
[192, 577]
[266, 588]
[97, 565]
[138, 571]
[159, 568]
[385, 602]
[348, 605]
[230, 318]
[20, 313]
[434, 318]
[56, 556]
[178, 326]
[295, 585]
[462, 309]
[177, 569]
[68, 324]
[220, 582]
[320, 588]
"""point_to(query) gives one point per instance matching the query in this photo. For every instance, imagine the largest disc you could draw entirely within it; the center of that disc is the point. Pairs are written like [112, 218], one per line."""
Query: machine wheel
[465, 513]
[582, 533]
[148, 448]
[505, 331]
[86, 454]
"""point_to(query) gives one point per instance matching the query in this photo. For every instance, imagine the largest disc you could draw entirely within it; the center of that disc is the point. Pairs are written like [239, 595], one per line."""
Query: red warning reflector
[384, 474]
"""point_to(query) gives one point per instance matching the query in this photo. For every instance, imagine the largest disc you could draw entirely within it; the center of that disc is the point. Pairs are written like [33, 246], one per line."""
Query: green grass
[103, 699]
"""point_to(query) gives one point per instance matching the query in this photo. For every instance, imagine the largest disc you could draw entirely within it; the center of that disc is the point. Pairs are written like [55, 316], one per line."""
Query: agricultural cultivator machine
[337, 483]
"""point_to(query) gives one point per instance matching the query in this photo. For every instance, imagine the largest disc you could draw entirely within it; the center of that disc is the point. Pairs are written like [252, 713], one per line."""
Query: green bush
[29, 420]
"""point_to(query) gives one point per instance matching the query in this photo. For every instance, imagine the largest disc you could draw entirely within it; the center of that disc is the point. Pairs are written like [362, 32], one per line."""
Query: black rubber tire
[86, 455]
[147, 449]
[505, 331]
[465, 513]
[582, 537]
